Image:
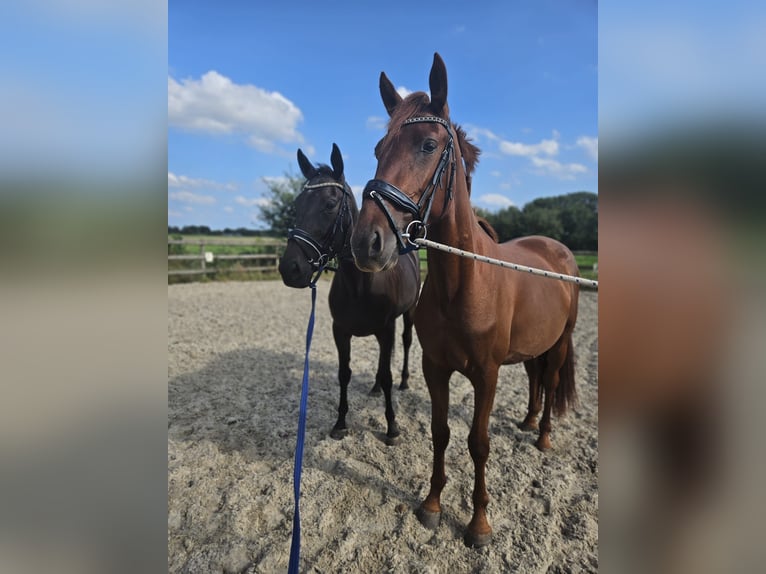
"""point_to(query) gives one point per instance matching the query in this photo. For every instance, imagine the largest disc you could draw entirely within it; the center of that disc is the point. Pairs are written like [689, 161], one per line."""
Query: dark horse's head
[415, 175]
[324, 214]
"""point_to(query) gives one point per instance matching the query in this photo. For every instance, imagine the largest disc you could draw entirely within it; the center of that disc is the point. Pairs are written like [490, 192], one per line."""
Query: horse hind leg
[343, 345]
[384, 380]
[534, 368]
[559, 385]
[408, 318]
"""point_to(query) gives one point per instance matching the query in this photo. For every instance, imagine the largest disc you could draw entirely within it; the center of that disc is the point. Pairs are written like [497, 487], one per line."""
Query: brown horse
[361, 304]
[471, 317]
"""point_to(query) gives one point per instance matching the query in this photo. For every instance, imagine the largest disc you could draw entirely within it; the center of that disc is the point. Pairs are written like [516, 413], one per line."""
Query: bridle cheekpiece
[325, 251]
[378, 190]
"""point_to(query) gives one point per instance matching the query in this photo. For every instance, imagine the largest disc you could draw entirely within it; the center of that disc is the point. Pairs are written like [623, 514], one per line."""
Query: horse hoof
[375, 391]
[528, 426]
[543, 443]
[428, 519]
[473, 540]
[393, 440]
[338, 434]
[404, 386]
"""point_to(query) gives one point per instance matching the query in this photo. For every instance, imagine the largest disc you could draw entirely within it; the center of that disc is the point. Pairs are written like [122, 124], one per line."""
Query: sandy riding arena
[235, 360]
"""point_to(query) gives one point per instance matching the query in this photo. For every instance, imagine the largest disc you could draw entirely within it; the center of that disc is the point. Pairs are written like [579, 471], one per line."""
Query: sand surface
[235, 361]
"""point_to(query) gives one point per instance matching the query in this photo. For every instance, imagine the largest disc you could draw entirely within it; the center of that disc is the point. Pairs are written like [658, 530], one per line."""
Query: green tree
[509, 223]
[570, 218]
[540, 220]
[279, 212]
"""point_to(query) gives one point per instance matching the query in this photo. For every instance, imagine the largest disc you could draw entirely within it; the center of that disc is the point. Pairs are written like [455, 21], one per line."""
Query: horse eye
[429, 146]
[330, 204]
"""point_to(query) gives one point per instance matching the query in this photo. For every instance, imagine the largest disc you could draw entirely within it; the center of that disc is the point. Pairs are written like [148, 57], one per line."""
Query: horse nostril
[377, 243]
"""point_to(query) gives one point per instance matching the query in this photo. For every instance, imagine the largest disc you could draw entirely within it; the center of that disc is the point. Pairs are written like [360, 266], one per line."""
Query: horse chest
[448, 339]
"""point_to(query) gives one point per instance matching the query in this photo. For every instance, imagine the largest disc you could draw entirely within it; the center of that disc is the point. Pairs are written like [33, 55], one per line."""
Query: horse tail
[565, 395]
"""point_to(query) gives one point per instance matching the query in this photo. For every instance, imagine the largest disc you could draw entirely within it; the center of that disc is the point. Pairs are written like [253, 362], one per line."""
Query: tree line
[571, 218]
[227, 232]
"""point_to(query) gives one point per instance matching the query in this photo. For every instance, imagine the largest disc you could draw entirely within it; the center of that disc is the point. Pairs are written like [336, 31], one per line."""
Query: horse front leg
[409, 318]
[479, 532]
[384, 380]
[437, 378]
[343, 345]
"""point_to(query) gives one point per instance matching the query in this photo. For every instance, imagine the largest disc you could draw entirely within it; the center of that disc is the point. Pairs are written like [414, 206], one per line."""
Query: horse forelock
[418, 103]
[413, 105]
[324, 170]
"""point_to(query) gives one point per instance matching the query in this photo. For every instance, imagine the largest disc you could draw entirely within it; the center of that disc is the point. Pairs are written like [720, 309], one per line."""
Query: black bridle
[378, 190]
[326, 250]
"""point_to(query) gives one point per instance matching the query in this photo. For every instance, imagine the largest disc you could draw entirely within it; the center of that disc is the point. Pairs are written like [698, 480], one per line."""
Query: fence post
[202, 257]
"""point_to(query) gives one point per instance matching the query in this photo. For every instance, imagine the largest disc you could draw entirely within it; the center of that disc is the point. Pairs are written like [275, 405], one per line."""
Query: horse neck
[456, 228]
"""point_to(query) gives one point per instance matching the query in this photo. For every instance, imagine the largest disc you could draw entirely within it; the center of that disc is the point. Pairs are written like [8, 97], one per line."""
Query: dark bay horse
[361, 303]
[472, 317]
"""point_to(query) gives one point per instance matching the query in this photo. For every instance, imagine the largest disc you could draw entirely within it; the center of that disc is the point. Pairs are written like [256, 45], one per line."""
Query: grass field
[261, 245]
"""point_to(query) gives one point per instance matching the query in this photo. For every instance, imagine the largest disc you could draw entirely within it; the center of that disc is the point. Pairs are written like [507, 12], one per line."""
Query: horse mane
[488, 229]
[469, 152]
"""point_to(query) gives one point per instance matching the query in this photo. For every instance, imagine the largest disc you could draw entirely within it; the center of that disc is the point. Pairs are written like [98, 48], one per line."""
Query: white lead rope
[516, 267]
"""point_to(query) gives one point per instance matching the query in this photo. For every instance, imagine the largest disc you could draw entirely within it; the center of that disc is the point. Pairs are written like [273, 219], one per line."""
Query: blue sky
[251, 82]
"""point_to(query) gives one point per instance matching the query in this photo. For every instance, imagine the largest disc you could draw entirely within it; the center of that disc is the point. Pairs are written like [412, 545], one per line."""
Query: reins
[295, 545]
[324, 252]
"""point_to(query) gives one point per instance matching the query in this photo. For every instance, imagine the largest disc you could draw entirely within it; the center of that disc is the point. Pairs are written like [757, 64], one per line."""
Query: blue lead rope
[295, 546]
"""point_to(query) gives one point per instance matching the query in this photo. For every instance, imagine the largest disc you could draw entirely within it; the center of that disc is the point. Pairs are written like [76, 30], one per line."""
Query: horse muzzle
[295, 270]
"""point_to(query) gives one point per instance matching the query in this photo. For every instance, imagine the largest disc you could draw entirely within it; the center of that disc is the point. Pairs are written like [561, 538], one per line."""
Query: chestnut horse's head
[324, 213]
[415, 175]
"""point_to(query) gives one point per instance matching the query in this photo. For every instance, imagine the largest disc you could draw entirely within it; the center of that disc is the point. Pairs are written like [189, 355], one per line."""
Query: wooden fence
[253, 256]
[250, 256]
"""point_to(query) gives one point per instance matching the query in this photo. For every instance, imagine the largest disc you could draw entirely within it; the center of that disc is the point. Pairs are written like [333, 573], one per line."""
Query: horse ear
[337, 162]
[391, 97]
[438, 83]
[307, 169]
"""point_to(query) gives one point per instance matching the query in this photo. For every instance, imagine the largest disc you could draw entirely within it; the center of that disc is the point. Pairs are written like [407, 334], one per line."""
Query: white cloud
[548, 166]
[376, 123]
[495, 200]
[476, 133]
[548, 147]
[173, 213]
[357, 191]
[185, 181]
[495, 173]
[403, 92]
[251, 202]
[191, 198]
[590, 145]
[216, 105]
[228, 209]
[275, 179]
